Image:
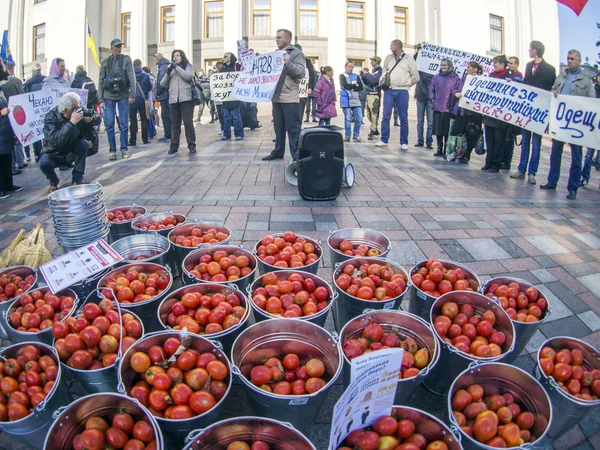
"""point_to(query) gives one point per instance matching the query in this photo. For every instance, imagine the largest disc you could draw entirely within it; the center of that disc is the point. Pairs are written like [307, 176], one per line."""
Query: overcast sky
[581, 32]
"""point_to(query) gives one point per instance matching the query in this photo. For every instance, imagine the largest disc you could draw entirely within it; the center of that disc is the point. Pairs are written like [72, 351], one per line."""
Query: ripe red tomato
[202, 401]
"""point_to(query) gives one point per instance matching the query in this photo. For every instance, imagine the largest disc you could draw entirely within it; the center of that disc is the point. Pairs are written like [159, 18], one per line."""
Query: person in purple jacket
[325, 97]
[441, 91]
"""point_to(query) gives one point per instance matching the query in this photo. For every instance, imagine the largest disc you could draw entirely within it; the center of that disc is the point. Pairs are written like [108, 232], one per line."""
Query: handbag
[146, 104]
[480, 146]
[385, 80]
[196, 89]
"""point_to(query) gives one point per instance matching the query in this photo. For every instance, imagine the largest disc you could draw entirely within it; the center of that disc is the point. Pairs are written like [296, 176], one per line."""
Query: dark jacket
[205, 85]
[288, 86]
[355, 85]
[111, 67]
[233, 66]
[60, 135]
[161, 92]
[582, 85]
[311, 74]
[82, 81]
[142, 80]
[371, 81]
[422, 89]
[325, 98]
[7, 136]
[543, 78]
[35, 82]
[490, 121]
[515, 76]
[442, 89]
[12, 86]
[316, 76]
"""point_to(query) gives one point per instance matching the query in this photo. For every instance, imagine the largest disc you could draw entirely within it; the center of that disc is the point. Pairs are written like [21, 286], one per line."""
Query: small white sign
[575, 120]
[221, 86]
[258, 82]
[304, 85]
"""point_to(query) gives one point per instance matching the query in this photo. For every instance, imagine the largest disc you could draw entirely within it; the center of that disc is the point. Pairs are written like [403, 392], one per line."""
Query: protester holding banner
[351, 85]
[325, 97]
[424, 107]
[7, 143]
[373, 92]
[33, 84]
[401, 71]
[57, 76]
[467, 122]
[573, 81]
[13, 86]
[512, 74]
[539, 74]
[231, 110]
[442, 88]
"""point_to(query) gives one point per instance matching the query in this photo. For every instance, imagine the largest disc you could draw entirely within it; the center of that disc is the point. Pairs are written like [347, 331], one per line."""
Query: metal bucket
[452, 361]
[348, 307]
[20, 271]
[420, 303]
[43, 336]
[358, 236]
[524, 331]
[71, 194]
[119, 230]
[84, 288]
[282, 436]
[496, 378]
[404, 324]
[146, 311]
[193, 258]
[225, 337]
[318, 319]
[311, 268]
[152, 245]
[34, 427]
[70, 420]
[432, 428]
[273, 338]
[174, 431]
[568, 410]
[154, 218]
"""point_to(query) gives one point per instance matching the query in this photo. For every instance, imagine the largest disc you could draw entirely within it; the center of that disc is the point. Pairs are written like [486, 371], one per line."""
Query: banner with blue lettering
[515, 103]
[258, 83]
[576, 120]
[431, 56]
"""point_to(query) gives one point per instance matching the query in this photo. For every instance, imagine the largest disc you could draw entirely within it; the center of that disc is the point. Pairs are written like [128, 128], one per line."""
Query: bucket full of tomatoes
[210, 265]
[34, 323]
[432, 278]
[527, 307]
[216, 311]
[85, 287]
[107, 419]
[28, 414]
[414, 428]
[181, 377]
[148, 247]
[14, 281]
[569, 370]
[120, 219]
[497, 405]
[287, 366]
[288, 250]
[138, 288]
[291, 294]
[256, 433]
[470, 327]
[367, 283]
[376, 329]
[161, 223]
[357, 242]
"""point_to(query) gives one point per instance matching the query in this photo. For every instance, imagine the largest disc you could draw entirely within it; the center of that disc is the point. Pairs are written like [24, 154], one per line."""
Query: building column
[336, 34]
[384, 14]
[138, 47]
[16, 34]
[184, 13]
[233, 17]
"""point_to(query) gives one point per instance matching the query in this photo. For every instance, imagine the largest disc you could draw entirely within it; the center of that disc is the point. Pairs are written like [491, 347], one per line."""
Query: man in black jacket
[162, 95]
[82, 81]
[65, 128]
[424, 107]
[34, 83]
[540, 74]
[310, 81]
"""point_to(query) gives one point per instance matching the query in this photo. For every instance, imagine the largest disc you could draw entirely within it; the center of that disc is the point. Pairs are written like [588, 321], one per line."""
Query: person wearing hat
[116, 89]
[371, 83]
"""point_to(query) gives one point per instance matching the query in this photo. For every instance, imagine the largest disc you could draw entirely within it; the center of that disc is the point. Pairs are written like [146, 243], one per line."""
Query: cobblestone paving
[426, 206]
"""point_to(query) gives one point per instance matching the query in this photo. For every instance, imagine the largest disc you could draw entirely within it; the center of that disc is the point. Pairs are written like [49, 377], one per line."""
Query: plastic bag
[461, 146]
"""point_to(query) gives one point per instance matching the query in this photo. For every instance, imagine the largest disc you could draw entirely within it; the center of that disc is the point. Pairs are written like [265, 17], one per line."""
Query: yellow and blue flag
[92, 46]
[5, 53]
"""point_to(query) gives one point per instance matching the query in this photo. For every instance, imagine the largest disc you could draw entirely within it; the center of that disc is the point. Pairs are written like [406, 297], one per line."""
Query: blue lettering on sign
[259, 94]
[585, 118]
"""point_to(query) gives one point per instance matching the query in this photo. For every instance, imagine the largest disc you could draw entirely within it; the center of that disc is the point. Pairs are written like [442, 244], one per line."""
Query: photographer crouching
[67, 129]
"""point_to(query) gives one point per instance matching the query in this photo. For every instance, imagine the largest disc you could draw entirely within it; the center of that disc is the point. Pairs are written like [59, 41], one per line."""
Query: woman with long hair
[178, 80]
[467, 122]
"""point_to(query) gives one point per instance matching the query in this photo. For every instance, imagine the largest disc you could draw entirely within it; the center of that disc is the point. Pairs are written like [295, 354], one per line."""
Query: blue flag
[5, 53]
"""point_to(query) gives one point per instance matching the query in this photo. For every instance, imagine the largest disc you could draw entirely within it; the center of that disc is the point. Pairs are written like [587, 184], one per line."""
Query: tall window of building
[39, 41]
[496, 34]
[401, 23]
[213, 14]
[261, 17]
[125, 28]
[167, 23]
[355, 20]
[308, 14]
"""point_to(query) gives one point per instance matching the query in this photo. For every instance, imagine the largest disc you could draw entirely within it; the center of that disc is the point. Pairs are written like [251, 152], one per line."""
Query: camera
[86, 112]
[113, 84]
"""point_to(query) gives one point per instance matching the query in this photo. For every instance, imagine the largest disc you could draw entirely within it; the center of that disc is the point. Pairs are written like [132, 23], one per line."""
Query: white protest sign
[515, 103]
[304, 86]
[27, 111]
[221, 86]
[575, 120]
[245, 58]
[260, 81]
[370, 394]
[76, 266]
[241, 45]
[430, 57]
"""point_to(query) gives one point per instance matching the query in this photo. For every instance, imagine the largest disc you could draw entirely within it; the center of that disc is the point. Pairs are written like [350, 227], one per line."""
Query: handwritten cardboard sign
[430, 57]
[258, 83]
[576, 120]
[221, 86]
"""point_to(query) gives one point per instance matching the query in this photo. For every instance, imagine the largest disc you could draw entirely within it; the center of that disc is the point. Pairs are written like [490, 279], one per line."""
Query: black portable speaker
[320, 164]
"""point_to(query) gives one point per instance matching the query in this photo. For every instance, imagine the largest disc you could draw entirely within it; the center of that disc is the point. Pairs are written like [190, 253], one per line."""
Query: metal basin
[311, 268]
[358, 236]
[20, 271]
[152, 246]
[123, 229]
[155, 218]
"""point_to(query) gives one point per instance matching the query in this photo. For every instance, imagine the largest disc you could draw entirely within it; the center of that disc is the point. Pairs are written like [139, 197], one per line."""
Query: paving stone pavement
[426, 206]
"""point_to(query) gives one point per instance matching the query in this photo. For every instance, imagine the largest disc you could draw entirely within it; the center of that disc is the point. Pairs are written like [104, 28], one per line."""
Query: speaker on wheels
[320, 163]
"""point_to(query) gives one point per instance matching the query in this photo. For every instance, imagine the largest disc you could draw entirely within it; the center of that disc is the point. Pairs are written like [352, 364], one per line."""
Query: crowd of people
[128, 92]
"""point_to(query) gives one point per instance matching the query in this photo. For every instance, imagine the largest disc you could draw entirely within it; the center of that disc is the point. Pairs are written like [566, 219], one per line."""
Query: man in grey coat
[286, 111]
[116, 89]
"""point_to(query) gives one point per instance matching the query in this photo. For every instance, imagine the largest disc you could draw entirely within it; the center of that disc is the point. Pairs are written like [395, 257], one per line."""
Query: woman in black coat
[7, 142]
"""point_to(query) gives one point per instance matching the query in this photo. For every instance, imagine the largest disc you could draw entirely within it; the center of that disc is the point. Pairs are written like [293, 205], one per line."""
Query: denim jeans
[229, 116]
[535, 140]
[49, 162]
[18, 158]
[358, 117]
[109, 122]
[587, 166]
[555, 160]
[425, 109]
[398, 98]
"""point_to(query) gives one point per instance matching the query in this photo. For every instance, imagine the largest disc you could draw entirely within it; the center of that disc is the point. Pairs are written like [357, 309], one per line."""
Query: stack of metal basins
[79, 215]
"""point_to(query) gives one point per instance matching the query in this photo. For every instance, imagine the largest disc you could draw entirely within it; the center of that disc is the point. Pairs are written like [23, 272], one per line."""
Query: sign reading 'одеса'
[576, 120]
